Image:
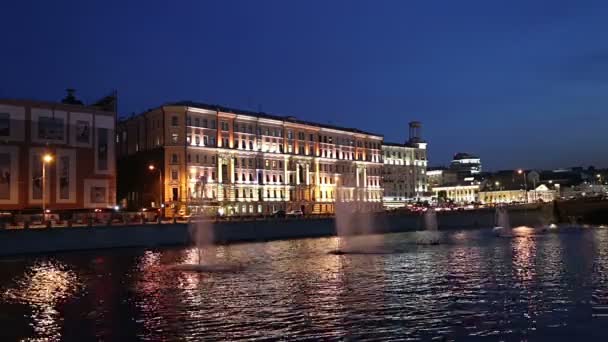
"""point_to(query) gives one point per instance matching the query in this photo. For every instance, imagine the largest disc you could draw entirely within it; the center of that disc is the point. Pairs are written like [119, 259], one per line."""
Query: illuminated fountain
[501, 219]
[354, 229]
[430, 235]
[205, 260]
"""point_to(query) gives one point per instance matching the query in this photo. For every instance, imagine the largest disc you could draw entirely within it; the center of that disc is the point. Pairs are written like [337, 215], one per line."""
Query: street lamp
[46, 159]
[522, 172]
[151, 167]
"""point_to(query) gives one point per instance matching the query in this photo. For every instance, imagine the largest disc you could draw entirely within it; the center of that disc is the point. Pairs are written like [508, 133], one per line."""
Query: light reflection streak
[43, 287]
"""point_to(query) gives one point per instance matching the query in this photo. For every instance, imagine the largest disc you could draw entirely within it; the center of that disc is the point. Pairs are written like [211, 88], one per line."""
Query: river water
[473, 287]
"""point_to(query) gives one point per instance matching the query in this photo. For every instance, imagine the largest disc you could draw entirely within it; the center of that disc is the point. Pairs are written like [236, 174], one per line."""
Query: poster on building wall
[5, 125]
[50, 128]
[5, 176]
[83, 131]
[98, 194]
[102, 148]
[36, 173]
[64, 177]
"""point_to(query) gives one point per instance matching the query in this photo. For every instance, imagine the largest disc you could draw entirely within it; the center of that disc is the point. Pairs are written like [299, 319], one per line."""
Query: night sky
[520, 83]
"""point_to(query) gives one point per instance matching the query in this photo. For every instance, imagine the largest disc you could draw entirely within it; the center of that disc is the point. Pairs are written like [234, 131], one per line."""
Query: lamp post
[522, 172]
[46, 158]
[151, 167]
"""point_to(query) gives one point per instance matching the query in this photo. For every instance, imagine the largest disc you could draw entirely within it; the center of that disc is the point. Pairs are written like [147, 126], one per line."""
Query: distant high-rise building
[466, 162]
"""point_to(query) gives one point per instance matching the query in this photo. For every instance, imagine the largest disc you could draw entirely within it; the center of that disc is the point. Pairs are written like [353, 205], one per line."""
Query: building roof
[215, 107]
[387, 143]
[464, 155]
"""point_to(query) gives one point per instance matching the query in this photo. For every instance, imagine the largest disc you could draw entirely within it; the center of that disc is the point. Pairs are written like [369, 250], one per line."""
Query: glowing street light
[522, 172]
[151, 167]
[46, 159]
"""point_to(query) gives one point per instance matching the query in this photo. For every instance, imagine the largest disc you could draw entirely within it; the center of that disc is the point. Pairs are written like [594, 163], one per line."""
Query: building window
[197, 140]
[205, 124]
[175, 137]
[174, 158]
[213, 126]
[189, 158]
[174, 120]
[174, 174]
[196, 158]
[224, 126]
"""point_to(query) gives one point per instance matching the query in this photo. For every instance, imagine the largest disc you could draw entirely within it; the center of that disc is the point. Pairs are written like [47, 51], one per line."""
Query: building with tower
[404, 173]
[197, 159]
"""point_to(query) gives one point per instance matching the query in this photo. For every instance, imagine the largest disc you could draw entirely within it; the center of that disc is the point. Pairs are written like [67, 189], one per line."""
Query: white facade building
[404, 172]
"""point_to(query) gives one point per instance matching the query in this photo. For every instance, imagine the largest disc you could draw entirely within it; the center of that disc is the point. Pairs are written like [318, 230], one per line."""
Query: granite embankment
[49, 240]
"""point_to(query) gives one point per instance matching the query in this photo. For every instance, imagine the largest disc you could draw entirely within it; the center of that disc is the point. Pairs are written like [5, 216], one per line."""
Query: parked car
[295, 213]
[279, 213]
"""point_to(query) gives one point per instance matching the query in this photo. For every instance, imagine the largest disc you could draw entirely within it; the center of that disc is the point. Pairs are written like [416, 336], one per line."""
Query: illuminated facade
[502, 196]
[223, 161]
[459, 194]
[72, 144]
[466, 162]
[404, 172]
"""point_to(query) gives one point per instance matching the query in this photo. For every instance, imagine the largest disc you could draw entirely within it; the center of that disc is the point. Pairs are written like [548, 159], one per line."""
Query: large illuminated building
[216, 160]
[404, 172]
[57, 155]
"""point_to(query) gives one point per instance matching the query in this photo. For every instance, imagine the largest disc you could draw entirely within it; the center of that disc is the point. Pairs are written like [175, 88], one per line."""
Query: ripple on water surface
[473, 286]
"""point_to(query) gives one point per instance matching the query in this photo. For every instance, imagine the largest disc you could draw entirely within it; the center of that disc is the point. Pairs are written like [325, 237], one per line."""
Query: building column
[231, 170]
[219, 169]
[298, 174]
[307, 174]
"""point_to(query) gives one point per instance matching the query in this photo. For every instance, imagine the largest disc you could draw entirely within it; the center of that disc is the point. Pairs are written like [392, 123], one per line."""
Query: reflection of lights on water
[523, 261]
[43, 287]
[460, 236]
[552, 226]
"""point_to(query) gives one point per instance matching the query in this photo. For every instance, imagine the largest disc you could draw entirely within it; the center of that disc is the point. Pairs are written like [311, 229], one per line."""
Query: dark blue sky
[521, 83]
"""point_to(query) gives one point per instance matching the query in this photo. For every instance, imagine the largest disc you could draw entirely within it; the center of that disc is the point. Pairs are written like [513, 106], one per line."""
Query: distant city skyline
[519, 84]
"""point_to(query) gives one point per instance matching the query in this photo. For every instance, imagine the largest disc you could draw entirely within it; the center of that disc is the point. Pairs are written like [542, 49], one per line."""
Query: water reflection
[43, 286]
[474, 286]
